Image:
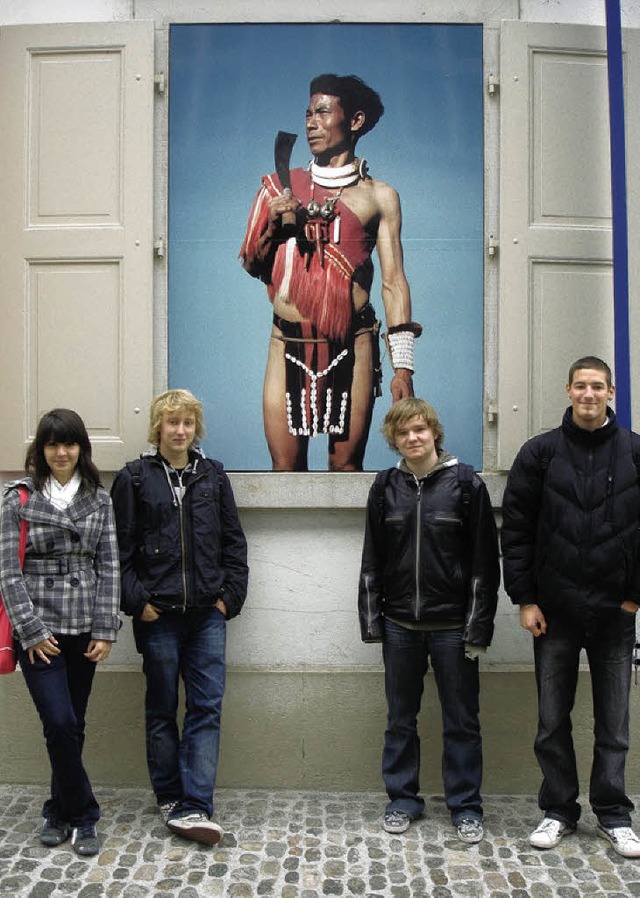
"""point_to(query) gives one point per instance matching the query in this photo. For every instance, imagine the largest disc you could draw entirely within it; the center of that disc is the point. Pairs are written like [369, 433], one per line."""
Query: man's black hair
[354, 96]
[591, 361]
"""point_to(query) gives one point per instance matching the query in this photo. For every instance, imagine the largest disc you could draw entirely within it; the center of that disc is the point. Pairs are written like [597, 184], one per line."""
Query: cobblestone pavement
[304, 845]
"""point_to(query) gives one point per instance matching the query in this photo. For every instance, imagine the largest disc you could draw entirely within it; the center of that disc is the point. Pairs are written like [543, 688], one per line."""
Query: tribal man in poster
[310, 241]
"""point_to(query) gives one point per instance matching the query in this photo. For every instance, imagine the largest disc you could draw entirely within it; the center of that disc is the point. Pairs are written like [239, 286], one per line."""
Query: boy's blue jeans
[406, 656]
[183, 767]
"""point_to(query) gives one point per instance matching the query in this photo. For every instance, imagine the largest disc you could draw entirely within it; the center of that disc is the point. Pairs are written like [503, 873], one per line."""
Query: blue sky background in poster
[232, 87]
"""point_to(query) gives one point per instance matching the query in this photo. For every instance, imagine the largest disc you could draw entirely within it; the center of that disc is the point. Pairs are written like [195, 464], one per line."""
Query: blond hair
[174, 401]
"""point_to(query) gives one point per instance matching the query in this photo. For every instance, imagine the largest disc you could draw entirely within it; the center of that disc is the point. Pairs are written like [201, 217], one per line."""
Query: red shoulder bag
[8, 658]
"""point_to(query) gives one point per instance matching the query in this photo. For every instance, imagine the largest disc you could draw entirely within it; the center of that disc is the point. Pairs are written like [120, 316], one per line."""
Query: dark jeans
[60, 691]
[406, 656]
[609, 648]
[191, 646]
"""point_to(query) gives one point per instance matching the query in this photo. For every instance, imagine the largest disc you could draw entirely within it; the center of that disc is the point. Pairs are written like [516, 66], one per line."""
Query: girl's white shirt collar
[61, 495]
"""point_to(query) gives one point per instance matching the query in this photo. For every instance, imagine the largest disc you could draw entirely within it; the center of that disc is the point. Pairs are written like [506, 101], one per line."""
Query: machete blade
[282, 155]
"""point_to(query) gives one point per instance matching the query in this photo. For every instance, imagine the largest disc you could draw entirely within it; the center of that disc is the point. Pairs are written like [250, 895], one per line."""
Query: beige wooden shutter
[556, 285]
[76, 240]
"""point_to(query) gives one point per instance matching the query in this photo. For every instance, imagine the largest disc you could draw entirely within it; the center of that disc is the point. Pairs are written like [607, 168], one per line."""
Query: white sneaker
[622, 838]
[396, 821]
[197, 827]
[470, 830]
[549, 833]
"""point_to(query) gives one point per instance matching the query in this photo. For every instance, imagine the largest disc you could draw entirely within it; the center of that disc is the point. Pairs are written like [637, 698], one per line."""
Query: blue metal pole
[619, 214]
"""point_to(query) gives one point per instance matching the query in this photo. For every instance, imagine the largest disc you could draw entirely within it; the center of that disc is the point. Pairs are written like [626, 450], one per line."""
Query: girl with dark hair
[63, 606]
[61, 426]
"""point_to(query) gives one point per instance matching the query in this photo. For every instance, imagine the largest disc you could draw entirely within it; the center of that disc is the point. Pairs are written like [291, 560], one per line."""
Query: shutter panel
[556, 285]
[76, 233]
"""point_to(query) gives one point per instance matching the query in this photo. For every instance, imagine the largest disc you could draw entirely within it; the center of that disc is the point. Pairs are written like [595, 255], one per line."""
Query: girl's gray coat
[71, 578]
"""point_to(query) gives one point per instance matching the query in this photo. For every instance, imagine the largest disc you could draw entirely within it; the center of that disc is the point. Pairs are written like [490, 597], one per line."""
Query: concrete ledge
[303, 729]
[312, 489]
[320, 489]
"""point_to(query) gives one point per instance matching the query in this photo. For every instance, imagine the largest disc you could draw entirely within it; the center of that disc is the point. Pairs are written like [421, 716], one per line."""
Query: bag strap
[22, 543]
[465, 480]
[379, 488]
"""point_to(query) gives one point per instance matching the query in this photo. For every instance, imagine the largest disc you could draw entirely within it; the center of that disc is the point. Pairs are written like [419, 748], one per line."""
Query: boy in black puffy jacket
[571, 545]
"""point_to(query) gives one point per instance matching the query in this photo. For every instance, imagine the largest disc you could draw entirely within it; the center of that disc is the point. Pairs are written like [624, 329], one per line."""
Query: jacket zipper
[474, 596]
[418, 509]
[183, 555]
[367, 580]
[588, 498]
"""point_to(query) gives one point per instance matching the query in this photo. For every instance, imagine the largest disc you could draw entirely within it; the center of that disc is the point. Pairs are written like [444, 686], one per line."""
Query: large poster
[232, 88]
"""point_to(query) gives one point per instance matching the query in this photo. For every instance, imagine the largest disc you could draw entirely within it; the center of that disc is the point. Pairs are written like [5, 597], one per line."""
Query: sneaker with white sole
[197, 827]
[549, 833]
[396, 821]
[470, 830]
[622, 838]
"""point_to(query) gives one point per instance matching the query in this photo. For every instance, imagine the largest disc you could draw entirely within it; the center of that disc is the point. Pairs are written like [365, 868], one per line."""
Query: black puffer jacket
[425, 560]
[571, 521]
[178, 556]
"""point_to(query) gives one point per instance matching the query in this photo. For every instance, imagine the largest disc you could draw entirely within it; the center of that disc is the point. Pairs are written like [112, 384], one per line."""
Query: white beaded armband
[401, 349]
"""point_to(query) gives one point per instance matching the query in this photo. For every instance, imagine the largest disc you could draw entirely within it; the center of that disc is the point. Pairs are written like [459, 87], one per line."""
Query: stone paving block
[305, 845]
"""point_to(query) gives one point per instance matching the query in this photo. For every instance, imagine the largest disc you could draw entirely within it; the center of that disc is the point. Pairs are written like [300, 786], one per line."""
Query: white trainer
[197, 827]
[549, 833]
[470, 830]
[622, 838]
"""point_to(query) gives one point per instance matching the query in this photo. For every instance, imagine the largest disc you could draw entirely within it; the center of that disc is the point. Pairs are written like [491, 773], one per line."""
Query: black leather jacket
[425, 560]
[173, 555]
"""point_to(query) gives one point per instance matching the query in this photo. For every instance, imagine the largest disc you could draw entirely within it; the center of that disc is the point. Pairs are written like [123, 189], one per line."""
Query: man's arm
[520, 510]
[370, 585]
[533, 620]
[484, 579]
[631, 603]
[395, 288]
[234, 552]
[134, 598]
[264, 232]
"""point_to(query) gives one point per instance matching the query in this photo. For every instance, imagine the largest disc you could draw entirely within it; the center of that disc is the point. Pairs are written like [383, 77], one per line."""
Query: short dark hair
[591, 361]
[354, 96]
[405, 409]
[61, 425]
